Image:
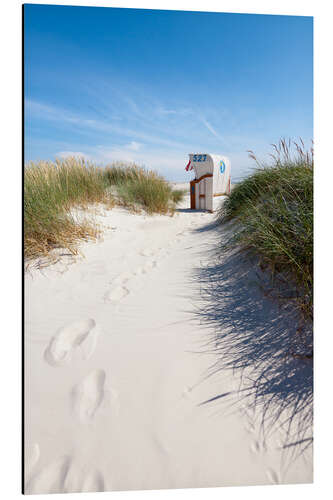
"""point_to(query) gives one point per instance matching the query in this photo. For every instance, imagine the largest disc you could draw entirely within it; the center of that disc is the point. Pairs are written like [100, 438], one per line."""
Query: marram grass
[139, 188]
[273, 209]
[53, 189]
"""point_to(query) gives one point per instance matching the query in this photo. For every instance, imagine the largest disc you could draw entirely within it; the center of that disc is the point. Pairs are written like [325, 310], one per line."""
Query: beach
[118, 376]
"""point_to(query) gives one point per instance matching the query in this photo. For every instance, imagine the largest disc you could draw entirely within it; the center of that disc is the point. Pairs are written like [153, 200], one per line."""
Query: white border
[10, 46]
[291, 7]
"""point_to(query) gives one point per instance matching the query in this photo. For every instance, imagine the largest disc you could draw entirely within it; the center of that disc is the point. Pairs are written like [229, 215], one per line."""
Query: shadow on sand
[261, 341]
[191, 211]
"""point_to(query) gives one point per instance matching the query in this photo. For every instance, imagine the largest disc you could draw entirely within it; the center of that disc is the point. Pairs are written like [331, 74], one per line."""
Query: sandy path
[115, 370]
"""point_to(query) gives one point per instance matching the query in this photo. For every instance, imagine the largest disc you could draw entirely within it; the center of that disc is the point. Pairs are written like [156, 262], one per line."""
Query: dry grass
[53, 189]
[274, 211]
[269, 215]
[138, 188]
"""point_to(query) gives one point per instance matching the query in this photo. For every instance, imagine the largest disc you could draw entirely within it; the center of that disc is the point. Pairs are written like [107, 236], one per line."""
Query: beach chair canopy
[216, 165]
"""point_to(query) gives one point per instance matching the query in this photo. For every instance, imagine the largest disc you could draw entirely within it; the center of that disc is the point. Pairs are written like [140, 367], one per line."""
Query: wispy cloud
[50, 113]
[164, 111]
[77, 154]
[171, 164]
[146, 132]
[210, 127]
[134, 146]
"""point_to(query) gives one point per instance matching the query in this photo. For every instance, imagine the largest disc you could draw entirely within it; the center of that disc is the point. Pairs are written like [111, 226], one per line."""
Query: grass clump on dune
[177, 195]
[119, 173]
[274, 211]
[51, 190]
[138, 188]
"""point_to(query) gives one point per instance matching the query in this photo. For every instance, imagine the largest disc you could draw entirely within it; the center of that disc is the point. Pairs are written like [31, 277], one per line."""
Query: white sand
[115, 371]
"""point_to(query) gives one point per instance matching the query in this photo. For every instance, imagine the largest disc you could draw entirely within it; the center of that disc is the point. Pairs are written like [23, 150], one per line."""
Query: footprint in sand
[65, 476]
[122, 278]
[149, 265]
[80, 479]
[67, 339]
[94, 481]
[51, 479]
[257, 447]
[273, 476]
[147, 252]
[88, 395]
[139, 271]
[32, 460]
[116, 294]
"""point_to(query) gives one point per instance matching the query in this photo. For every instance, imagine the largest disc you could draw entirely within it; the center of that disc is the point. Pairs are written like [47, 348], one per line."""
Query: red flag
[188, 166]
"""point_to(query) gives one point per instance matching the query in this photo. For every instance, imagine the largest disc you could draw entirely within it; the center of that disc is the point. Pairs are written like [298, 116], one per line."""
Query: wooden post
[192, 193]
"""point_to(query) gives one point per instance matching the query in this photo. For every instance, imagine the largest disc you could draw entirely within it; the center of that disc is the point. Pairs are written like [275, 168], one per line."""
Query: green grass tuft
[177, 195]
[138, 188]
[53, 189]
[274, 211]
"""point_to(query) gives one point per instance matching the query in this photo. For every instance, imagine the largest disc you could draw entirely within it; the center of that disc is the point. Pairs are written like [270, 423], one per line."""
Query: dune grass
[273, 209]
[53, 190]
[177, 195]
[119, 173]
[138, 188]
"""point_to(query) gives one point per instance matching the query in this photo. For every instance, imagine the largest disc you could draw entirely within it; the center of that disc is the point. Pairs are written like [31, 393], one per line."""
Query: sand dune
[117, 370]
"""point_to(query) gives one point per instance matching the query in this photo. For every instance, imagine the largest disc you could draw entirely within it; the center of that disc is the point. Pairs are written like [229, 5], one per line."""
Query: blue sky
[152, 86]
